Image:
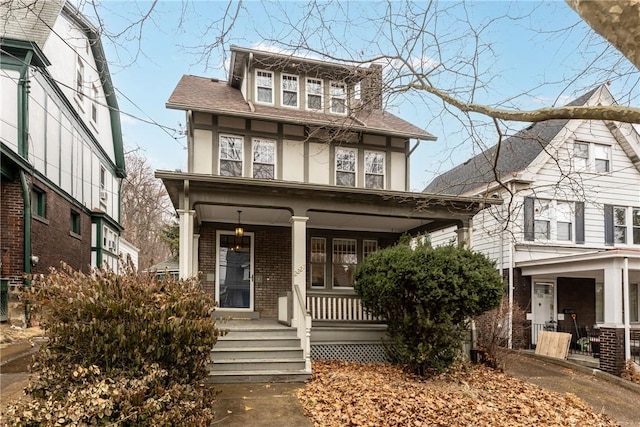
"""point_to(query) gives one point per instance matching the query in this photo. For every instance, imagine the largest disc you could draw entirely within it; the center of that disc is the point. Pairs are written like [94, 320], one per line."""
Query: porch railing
[635, 345]
[338, 308]
[303, 324]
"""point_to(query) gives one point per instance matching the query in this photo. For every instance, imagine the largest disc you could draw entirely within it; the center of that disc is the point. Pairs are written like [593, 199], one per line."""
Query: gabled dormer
[286, 81]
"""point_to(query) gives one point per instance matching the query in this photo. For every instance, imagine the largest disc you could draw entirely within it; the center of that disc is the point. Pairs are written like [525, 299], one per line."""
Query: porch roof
[273, 202]
[588, 261]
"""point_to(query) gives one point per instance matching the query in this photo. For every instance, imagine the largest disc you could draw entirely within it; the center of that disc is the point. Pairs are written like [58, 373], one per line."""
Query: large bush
[427, 295]
[124, 348]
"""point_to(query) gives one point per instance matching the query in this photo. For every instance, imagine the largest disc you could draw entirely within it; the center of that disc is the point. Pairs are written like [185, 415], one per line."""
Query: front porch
[594, 297]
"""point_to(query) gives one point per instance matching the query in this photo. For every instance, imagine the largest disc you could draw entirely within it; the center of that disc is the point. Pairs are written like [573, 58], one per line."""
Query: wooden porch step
[271, 364]
[273, 376]
[288, 352]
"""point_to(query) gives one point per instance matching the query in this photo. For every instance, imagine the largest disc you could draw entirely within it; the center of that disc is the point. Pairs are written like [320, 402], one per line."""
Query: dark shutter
[608, 225]
[528, 218]
[580, 223]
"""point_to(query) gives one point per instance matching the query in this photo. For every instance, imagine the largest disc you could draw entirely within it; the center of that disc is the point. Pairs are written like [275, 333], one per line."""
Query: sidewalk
[618, 398]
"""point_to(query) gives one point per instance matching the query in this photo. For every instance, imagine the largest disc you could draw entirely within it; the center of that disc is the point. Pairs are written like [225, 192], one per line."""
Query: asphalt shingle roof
[516, 153]
[205, 94]
[28, 20]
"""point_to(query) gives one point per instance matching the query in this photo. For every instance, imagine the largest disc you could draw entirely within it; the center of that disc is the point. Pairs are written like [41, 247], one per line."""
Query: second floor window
[346, 167]
[289, 90]
[80, 79]
[619, 225]
[374, 170]
[264, 158]
[264, 86]
[636, 226]
[553, 220]
[314, 94]
[94, 104]
[231, 155]
[591, 157]
[338, 92]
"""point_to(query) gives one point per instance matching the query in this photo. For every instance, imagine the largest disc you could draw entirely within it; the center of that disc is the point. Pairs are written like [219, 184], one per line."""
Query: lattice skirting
[366, 353]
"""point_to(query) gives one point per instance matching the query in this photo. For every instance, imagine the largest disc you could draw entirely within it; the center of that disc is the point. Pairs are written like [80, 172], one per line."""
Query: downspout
[625, 305]
[23, 150]
[510, 239]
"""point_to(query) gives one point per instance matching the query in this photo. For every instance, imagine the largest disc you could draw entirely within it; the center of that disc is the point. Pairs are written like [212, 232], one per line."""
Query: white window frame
[94, 103]
[308, 93]
[542, 214]
[338, 96]
[254, 143]
[318, 264]
[635, 226]
[590, 162]
[258, 86]
[368, 172]
[555, 213]
[289, 77]
[355, 166]
[220, 158]
[80, 78]
[564, 214]
[622, 226]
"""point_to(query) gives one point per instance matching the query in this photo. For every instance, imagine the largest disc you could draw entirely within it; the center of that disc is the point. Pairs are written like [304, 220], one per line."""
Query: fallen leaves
[352, 394]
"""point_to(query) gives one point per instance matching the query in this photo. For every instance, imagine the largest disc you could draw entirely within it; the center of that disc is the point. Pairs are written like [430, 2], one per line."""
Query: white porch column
[186, 242]
[613, 295]
[299, 256]
[195, 268]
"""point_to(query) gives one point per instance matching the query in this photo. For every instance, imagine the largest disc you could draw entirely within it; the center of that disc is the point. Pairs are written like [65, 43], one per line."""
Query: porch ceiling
[270, 202]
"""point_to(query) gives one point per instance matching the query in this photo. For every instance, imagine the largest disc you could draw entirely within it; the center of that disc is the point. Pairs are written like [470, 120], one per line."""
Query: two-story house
[61, 143]
[568, 234]
[295, 174]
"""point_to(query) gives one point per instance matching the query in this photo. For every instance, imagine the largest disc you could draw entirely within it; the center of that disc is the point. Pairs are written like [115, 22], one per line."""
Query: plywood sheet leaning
[553, 344]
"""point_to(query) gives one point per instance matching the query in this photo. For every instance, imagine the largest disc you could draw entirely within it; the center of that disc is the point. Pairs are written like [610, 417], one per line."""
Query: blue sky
[532, 58]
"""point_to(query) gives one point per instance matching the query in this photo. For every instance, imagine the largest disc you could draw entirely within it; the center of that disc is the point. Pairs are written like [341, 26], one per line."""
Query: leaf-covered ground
[352, 394]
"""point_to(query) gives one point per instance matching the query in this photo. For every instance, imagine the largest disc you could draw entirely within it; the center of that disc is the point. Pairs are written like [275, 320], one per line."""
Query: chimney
[371, 88]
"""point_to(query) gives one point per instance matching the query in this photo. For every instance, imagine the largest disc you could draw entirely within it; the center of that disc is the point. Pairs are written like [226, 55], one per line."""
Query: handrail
[303, 323]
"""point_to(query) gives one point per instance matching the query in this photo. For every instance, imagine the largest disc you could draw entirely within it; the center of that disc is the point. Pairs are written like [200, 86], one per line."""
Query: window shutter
[528, 218]
[580, 223]
[608, 225]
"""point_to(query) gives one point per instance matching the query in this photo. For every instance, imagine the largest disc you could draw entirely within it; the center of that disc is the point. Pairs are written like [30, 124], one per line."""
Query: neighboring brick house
[61, 143]
[568, 240]
[298, 154]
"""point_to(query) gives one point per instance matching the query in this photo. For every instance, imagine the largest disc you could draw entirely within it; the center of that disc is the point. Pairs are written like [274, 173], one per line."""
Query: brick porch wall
[612, 350]
[272, 263]
[11, 234]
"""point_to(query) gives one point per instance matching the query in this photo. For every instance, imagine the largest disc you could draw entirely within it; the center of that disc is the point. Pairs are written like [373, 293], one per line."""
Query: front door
[234, 267]
[542, 309]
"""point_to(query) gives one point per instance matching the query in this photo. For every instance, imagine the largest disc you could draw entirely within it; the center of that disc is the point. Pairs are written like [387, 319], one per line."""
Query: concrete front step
[259, 333]
[242, 342]
[273, 376]
[258, 364]
[257, 353]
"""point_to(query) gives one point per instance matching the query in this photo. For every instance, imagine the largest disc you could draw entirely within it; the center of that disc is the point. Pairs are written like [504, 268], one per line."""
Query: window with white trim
[589, 156]
[264, 158]
[264, 86]
[79, 78]
[636, 226]
[344, 262]
[231, 149]
[619, 225]
[374, 169]
[338, 97]
[564, 221]
[94, 103]
[346, 163]
[289, 90]
[542, 222]
[314, 94]
[318, 257]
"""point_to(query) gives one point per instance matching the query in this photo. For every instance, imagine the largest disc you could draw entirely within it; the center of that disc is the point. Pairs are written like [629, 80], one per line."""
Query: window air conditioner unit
[103, 195]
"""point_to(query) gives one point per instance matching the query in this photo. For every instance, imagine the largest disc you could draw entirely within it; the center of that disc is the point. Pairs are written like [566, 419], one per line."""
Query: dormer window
[314, 94]
[264, 86]
[289, 90]
[338, 93]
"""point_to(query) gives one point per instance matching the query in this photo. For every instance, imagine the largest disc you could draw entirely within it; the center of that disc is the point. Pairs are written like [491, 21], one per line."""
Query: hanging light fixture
[239, 229]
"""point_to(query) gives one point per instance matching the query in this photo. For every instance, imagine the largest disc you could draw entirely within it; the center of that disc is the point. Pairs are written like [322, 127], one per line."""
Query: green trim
[26, 197]
[19, 48]
[98, 247]
[23, 107]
